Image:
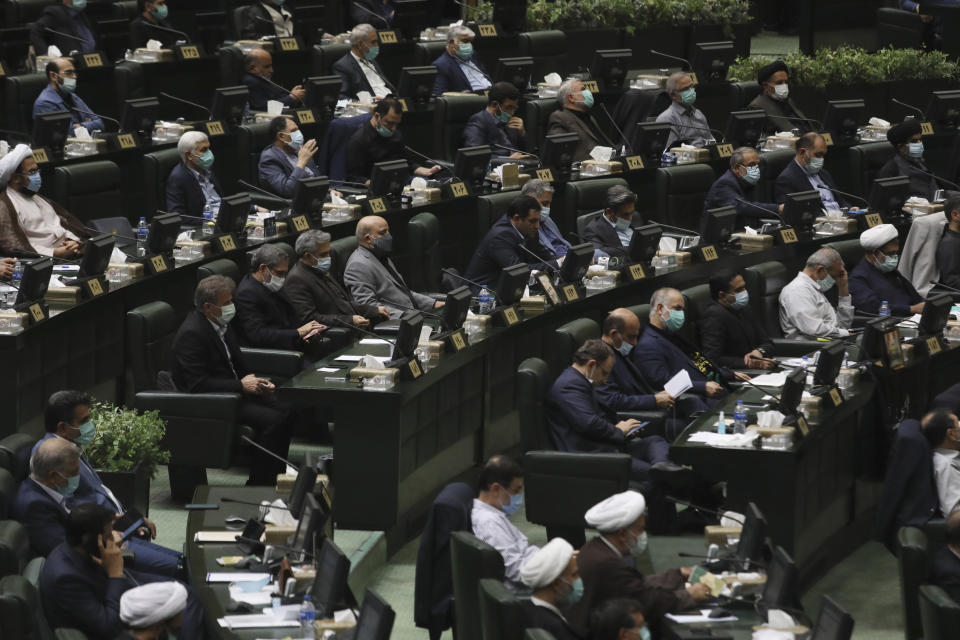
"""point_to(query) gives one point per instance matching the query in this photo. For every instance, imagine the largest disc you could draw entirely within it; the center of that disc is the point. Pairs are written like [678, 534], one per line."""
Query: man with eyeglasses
[61, 95]
[737, 188]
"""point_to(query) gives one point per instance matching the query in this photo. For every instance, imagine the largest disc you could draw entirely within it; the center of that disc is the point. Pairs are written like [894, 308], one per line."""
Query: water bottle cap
[306, 597]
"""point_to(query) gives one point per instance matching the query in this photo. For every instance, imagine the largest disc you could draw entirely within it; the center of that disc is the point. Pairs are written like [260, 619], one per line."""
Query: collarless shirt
[826, 195]
[476, 79]
[624, 236]
[39, 221]
[946, 472]
[379, 87]
[209, 190]
[491, 525]
[806, 313]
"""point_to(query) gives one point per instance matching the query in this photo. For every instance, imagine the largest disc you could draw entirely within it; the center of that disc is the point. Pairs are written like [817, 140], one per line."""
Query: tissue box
[776, 142]
[432, 194]
[62, 296]
[277, 535]
[434, 348]
[203, 244]
[758, 241]
[364, 372]
[533, 304]
[248, 45]
[143, 54]
[596, 167]
[924, 209]
[681, 257]
[649, 81]
[811, 408]
[124, 271]
[354, 208]
[359, 106]
[909, 353]
[255, 228]
[718, 535]
[12, 321]
[264, 117]
[688, 156]
[851, 223]
[873, 132]
[285, 482]
[953, 329]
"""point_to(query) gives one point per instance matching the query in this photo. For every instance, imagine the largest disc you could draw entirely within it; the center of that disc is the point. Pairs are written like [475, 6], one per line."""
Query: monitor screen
[610, 67]
[943, 111]
[650, 141]
[558, 150]
[410, 16]
[513, 280]
[888, 195]
[376, 618]
[935, 314]
[792, 392]
[323, 93]
[36, 279]
[842, 118]
[411, 322]
[330, 584]
[229, 103]
[833, 623]
[139, 115]
[753, 535]
[516, 71]
[829, 363]
[575, 264]
[417, 83]
[310, 527]
[470, 165]
[51, 129]
[304, 484]
[744, 128]
[163, 233]
[309, 195]
[711, 60]
[96, 254]
[717, 225]
[781, 585]
[389, 178]
[456, 307]
[645, 242]
[800, 209]
[232, 217]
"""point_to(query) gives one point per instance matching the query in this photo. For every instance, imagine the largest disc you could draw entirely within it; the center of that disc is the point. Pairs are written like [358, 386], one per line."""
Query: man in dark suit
[152, 24]
[358, 68]
[875, 278]
[288, 159]
[264, 19]
[731, 335]
[550, 235]
[945, 572]
[316, 296]
[907, 139]
[782, 113]
[948, 250]
[806, 173]
[206, 357]
[192, 185]
[380, 140]
[497, 124]
[66, 16]
[83, 579]
[735, 188]
[380, 12]
[265, 318]
[258, 64]
[41, 501]
[458, 69]
[611, 231]
[574, 117]
[619, 619]
[552, 574]
[625, 389]
[508, 242]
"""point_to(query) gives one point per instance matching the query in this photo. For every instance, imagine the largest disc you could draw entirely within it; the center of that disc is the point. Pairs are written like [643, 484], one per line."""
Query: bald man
[372, 277]
[258, 65]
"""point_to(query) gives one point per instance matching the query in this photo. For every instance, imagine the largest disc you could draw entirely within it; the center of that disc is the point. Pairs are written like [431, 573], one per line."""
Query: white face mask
[781, 91]
[275, 284]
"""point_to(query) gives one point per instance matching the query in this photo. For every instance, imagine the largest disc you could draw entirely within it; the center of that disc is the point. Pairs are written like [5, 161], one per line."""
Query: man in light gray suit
[371, 276]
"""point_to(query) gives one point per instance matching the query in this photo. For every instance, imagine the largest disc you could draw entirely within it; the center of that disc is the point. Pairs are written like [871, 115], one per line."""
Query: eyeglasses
[32, 172]
[69, 73]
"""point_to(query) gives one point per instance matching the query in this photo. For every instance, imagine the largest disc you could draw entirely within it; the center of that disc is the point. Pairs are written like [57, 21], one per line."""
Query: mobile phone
[131, 531]
[637, 430]
[201, 506]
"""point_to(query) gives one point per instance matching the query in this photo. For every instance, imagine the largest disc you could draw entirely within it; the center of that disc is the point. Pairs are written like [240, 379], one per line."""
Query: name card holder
[90, 60]
[456, 341]
[506, 316]
[387, 37]
[187, 51]
[571, 292]
[214, 128]
[126, 141]
[835, 396]
[290, 44]
[707, 253]
[375, 206]
[634, 163]
[926, 129]
[591, 86]
[723, 151]
[306, 116]
[154, 264]
[300, 223]
[223, 243]
[487, 30]
[36, 311]
[933, 345]
[456, 189]
[91, 286]
[786, 235]
[545, 175]
[635, 272]
[410, 368]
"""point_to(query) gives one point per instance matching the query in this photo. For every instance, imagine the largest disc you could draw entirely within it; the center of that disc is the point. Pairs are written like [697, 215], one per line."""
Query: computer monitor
[711, 60]
[943, 111]
[456, 307]
[408, 335]
[312, 518]
[575, 264]
[645, 242]
[304, 484]
[96, 254]
[833, 622]
[717, 225]
[609, 68]
[888, 195]
[753, 536]
[416, 83]
[139, 115]
[389, 178]
[800, 209]
[51, 130]
[558, 152]
[376, 618]
[232, 217]
[842, 118]
[329, 590]
[322, 94]
[309, 195]
[470, 165]
[935, 314]
[229, 104]
[829, 363]
[164, 231]
[872, 339]
[792, 392]
[516, 71]
[780, 589]
[410, 16]
[511, 15]
[36, 279]
[744, 128]
[650, 141]
[513, 280]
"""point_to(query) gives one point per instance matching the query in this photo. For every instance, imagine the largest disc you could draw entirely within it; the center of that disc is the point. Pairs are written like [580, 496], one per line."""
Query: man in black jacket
[731, 335]
[806, 173]
[207, 358]
[948, 251]
[380, 140]
[736, 188]
[552, 574]
[152, 24]
[358, 68]
[67, 17]
[266, 18]
[258, 65]
[611, 231]
[774, 100]
[907, 139]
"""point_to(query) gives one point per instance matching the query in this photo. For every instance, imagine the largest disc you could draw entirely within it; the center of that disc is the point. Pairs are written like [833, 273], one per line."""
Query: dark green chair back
[88, 189]
[219, 267]
[939, 614]
[501, 612]
[423, 244]
[450, 117]
[913, 563]
[533, 383]
[471, 560]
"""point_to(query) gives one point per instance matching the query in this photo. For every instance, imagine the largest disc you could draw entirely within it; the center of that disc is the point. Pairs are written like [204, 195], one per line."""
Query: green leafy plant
[126, 439]
[481, 13]
[632, 15]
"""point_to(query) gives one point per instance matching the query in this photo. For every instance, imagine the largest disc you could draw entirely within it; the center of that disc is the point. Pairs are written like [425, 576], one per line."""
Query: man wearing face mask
[258, 64]
[373, 278]
[266, 18]
[192, 184]
[775, 101]
[619, 619]
[358, 68]
[875, 278]
[498, 126]
[806, 173]
[942, 431]
[552, 575]
[61, 95]
[612, 230]
[549, 232]
[381, 140]
[458, 69]
[29, 222]
[689, 125]
[500, 494]
[736, 188]
[288, 160]
[206, 357]
[729, 331]
[152, 24]
[805, 313]
[153, 611]
[907, 139]
[68, 17]
[626, 389]
[574, 117]
[608, 569]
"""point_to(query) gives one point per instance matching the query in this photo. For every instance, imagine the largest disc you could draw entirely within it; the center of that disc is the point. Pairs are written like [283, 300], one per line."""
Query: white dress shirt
[370, 73]
[491, 525]
[475, 77]
[805, 313]
[40, 223]
[282, 21]
[946, 471]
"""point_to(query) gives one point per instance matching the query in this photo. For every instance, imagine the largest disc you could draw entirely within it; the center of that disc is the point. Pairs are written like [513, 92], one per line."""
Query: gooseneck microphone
[622, 137]
[375, 15]
[908, 106]
[268, 452]
[160, 27]
[670, 57]
[549, 266]
[187, 102]
[253, 504]
[476, 284]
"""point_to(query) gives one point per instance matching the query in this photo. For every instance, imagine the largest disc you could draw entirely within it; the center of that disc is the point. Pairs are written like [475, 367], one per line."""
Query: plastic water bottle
[142, 232]
[485, 300]
[307, 615]
[806, 364]
[740, 418]
[884, 309]
[18, 273]
[209, 220]
[721, 424]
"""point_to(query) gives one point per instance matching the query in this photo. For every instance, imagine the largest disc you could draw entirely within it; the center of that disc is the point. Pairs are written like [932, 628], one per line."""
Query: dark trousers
[646, 452]
[272, 422]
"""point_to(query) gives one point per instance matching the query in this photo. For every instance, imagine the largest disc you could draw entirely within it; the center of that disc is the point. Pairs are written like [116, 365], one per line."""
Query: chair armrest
[560, 486]
[201, 428]
[276, 362]
[795, 348]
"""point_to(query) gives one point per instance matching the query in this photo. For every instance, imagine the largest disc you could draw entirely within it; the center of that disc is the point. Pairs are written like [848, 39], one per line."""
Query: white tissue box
[681, 257]
[775, 142]
[12, 321]
[758, 241]
[851, 223]
[598, 168]
[873, 133]
[688, 156]
[366, 372]
[144, 55]
[649, 81]
[924, 209]
[248, 45]
[432, 194]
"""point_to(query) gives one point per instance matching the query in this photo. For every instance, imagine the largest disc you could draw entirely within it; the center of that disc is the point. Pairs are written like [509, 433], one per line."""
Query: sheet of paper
[257, 598]
[678, 384]
[703, 617]
[327, 370]
[236, 576]
[348, 358]
[373, 341]
[770, 380]
[255, 621]
[216, 536]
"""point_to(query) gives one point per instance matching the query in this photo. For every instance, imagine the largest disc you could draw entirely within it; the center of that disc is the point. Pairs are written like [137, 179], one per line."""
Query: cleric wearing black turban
[907, 140]
[774, 100]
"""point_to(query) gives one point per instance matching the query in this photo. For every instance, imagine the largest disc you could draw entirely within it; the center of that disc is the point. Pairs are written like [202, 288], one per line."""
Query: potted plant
[126, 451]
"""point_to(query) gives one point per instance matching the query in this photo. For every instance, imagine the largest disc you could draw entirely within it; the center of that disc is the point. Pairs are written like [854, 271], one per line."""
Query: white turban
[11, 162]
[144, 606]
[547, 564]
[617, 512]
[875, 237]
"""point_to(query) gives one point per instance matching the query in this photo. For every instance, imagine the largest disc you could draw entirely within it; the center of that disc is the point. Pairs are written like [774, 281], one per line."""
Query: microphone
[696, 507]
[939, 179]
[254, 504]
[160, 27]
[944, 286]
[256, 543]
[428, 159]
[373, 67]
[471, 64]
[364, 331]
[113, 233]
[764, 209]
[284, 89]
[251, 187]
[65, 35]
[848, 195]
[269, 453]
[667, 55]
[687, 231]
[909, 106]
[549, 266]
[745, 563]
[804, 120]
[375, 15]
[622, 137]
[476, 284]
[181, 100]
[897, 318]
[354, 184]
[693, 126]
[97, 115]
[503, 146]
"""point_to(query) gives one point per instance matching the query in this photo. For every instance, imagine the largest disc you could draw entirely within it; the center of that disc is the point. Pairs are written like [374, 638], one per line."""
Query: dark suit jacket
[43, 518]
[91, 488]
[945, 572]
[353, 79]
[777, 113]
[543, 618]
[59, 18]
[449, 75]
[184, 194]
[276, 174]
[794, 178]
[383, 13]
[625, 388]
[264, 319]
[199, 363]
[601, 234]
[317, 296]
[253, 29]
[366, 148]
[869, 287]
[483, 128]
[501, 248]
[565, 121]
[575, 419]
[142, 30]
[261, 91]
[728, 334]
[922, 184]
[948, 258]
[724, 193]
[659, 359]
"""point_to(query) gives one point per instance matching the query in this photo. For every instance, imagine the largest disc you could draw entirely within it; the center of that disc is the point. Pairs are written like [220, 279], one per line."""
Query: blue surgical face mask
[70, 85]
[827, 283]
[35, 182]
[79, 5]
[384, 131]
[296, 139]
[688, 95]
[587, 98]
[161, 12]
[227, 313]
[753, 174]
[916, 149]
[204, 161]
[372, 53]
[88, 431]
[815, 165]
[889, 263]
[625, 348]
[503, 116]
[675, 320]
[639, 544]
[465, 50]
[544, 212]
[323, 264]
[73, 483]
[516, 501]
[622, 224]
[743, 299]
[644, 633]
[576, 592]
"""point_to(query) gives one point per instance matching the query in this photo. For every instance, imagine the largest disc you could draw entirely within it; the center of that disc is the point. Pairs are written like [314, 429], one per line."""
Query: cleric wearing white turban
[553, 575]
[149, 610]
[876, 278]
